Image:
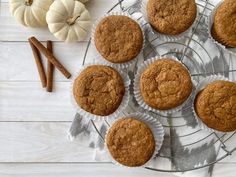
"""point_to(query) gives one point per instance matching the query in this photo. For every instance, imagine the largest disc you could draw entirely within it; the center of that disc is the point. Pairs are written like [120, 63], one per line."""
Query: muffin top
[225, 23]
[165, 84]
[216, 37]
[118, 38]
[130, 142]
[99, 90]
[171, 17]
[215, 105]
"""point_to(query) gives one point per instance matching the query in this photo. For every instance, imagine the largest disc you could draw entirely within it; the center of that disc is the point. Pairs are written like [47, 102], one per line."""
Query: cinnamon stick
[50, 57]
[39, 64]
[50, 69]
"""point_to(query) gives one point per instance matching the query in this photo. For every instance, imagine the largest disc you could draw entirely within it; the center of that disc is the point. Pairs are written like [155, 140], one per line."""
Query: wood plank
[28, 101]
[11, 30]
[94, 170]
[40, 142]
[224, 169]
[17, 62]
[45, 142]
[75, 170]
[5, 1]
[231, 158]
[230, 144]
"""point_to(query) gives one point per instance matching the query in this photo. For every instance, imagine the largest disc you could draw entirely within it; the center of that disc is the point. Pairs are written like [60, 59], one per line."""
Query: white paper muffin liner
[210, 23]
[156, 128]
[137, 92]
[200, 87]
[165, 37]
[118, 65]
[122, 105]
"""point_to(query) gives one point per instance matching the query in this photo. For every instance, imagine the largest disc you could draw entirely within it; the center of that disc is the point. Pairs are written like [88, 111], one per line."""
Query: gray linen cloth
[185, 146]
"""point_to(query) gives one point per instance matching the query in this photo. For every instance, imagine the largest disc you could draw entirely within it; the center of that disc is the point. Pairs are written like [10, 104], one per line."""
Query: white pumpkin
[31, 13]
[83, 1]
[68, 20]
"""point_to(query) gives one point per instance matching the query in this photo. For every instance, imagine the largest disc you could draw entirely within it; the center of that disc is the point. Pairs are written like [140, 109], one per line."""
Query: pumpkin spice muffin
[171, 17]
[215, 105]
[224, 25]
[216, 37]
[165, 84]
[118, 38]
[99, 90]
[130, 142]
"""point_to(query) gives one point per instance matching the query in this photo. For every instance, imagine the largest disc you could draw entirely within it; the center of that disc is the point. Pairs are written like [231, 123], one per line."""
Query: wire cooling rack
[186, 147]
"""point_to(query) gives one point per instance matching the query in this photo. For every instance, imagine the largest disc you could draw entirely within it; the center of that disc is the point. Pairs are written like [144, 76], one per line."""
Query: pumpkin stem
[71, 20]
[28, 2]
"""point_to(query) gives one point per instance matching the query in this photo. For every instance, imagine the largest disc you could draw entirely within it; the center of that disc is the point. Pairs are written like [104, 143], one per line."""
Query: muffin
[224, 25]
[165, 84]
[171, 17]
[99, 90]
[130, 142]
[215, 105]
[118, 38]
[216, 37]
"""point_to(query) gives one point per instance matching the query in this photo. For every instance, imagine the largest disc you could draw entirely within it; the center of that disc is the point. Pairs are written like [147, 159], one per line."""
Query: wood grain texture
[75, 170]
[230, 144]
[40, 142]
[224, 170]
[231, 158]
[22, 99]
[17, 61]
[70, 55]
[93, 170]
[27, 101]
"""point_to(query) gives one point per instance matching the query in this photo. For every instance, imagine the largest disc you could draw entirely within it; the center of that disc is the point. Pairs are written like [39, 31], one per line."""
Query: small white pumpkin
[83, 1]
[31, 13]
[68, 20]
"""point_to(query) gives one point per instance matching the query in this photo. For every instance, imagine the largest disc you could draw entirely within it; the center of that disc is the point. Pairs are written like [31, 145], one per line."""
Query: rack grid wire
[186, 147]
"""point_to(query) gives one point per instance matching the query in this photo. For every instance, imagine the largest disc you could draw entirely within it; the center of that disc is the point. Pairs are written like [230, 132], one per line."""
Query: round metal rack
[186, 147]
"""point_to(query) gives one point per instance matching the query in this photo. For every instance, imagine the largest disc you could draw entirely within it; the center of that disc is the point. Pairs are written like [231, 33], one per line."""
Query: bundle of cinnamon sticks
[52, 61]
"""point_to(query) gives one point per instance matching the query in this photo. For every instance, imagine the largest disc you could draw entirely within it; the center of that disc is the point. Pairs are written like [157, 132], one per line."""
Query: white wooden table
[33, 123]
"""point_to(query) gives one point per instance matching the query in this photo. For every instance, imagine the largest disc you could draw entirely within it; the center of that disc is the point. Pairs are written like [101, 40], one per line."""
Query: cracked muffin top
[165, 84]
[224, 26]
[118, 38]
[130, 142]
[215, 105]
[171, 17]
[99, 90]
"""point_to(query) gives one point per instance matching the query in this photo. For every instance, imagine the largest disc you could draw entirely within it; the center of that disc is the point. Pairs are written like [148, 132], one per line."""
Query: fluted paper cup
[165, 37]
[122, 105]
[210, 23]
[156, 128]
[200, 87]
[118, 65]
[137, 92]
